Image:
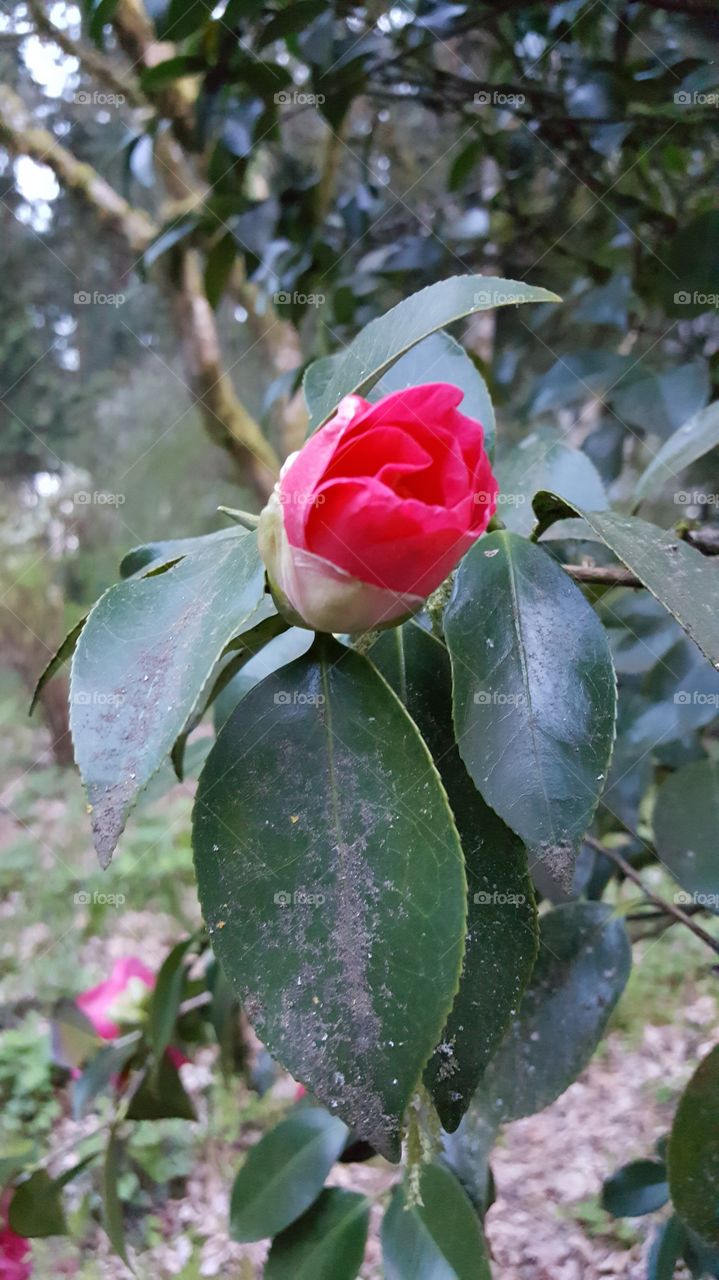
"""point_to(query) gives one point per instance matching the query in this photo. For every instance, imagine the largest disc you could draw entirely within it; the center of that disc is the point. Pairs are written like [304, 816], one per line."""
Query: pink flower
[15, 1250]
[120, 997]
[377, 509]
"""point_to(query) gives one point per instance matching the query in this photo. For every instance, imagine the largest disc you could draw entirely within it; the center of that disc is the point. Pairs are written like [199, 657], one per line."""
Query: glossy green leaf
[166, 997]
[220, 261]
[284, 1173]
[111, 1203]
[683, 580]
[690, 442]
[693, 1153]
[161, 1095]
[182, 17]
[501, 918]
[58, 659]
[142, 661]
[439, 358]
[637, 1188]
[667, 1250]
[385, 339]
[534, 694]
[582, 968]
[36, 1208]
[440, 1239]
[151, 555]
[326, 1243]
[542, 460]
[335, 901]
[101, 1070]
[686, 821]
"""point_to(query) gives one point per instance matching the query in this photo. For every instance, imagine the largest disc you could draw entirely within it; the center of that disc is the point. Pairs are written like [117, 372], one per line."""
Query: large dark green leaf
[501, 917]
[534, 693]
[326, 1243]
[686, 822]
[582, 968]
[542, 460]
[332, 881]
[36, 1207]
[284, 1173]
[384, 340]
[693, 1155]
[439, 1239]
[637, 1188]
[690, 442]
[683, 580]
[140, 667]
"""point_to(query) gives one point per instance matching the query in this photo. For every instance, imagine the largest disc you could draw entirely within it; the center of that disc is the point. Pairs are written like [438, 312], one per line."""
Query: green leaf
[685, 831]
[440, 1239]
[59, 658]
[582, 968]
[690, 442]
[153, 555]
[659, 403]
[111, 1203]
[74, 1038]
[36, 1209]
[15, 1155]
[637, 1188]
[326, 1243]
[693, 1153]
[336, 902]
[164, 73]
[501, 918]
[667, 1249]
[220, 261]
[166, 997]
[284, 1173]
[141, 664]
[678, 575]
[439, 358]
[543, 461]
[101, 1070]
[385, 339]
[161, 1095]
[167, 237]
[534, 694]
[182, 17]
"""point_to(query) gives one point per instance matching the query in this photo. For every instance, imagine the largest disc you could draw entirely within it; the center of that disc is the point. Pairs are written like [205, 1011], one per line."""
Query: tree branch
[668, 908]
[94, 62]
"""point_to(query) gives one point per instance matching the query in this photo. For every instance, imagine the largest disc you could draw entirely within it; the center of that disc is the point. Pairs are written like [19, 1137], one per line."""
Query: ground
[62, 923]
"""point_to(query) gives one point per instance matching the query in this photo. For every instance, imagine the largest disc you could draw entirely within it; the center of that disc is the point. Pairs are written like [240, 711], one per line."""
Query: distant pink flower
[15, 1252]
[120, 994]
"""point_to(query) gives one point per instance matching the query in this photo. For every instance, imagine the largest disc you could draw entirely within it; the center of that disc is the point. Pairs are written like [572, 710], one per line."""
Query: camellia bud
[376, 510]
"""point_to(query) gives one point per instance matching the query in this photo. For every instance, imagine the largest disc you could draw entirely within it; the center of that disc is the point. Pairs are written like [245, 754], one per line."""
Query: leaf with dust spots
[142, 661]
[324, 843]
[534, 694]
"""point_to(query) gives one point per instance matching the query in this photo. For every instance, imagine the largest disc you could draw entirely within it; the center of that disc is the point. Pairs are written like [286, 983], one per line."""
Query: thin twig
[606, 575]
[669, 908]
